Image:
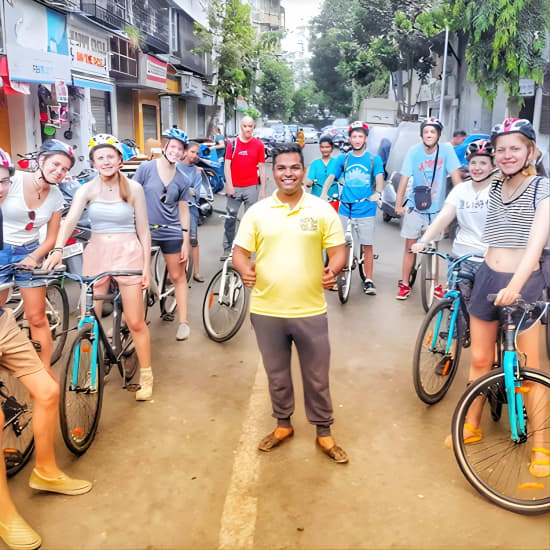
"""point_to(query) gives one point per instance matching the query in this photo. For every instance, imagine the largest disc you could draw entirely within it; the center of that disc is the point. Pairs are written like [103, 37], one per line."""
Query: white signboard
[526, 87]
[37, 45]
[89, 52]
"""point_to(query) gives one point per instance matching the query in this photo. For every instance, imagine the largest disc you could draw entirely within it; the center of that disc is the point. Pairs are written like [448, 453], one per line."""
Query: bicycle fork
[514, 389]
[93, 367]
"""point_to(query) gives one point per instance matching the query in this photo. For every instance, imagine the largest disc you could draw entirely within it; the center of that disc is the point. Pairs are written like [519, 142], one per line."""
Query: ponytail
[124, 188]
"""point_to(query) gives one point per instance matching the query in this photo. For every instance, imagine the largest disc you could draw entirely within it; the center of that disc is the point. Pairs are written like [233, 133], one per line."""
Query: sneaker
[183, 331]
[145, 393]
[404, 291]
[438, 292]
[62, 484]
[225, 255]
[17, 533]
[369, 288]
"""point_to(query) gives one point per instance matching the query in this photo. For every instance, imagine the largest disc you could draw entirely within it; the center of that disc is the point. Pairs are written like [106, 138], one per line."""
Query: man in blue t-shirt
[359, 193]
[428, 163]
[320, 169]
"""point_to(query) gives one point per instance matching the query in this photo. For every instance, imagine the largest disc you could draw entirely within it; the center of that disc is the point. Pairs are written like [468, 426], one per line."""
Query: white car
[310, 134]
[263, 133]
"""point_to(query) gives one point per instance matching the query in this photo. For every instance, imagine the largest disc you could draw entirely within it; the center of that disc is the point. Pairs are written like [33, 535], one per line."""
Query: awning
[9, 87]
[93, 84]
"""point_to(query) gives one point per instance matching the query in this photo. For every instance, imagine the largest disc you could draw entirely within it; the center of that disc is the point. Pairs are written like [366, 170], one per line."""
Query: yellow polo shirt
[289, 259]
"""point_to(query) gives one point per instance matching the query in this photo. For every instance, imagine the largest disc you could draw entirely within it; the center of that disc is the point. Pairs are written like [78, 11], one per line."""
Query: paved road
[182, 472]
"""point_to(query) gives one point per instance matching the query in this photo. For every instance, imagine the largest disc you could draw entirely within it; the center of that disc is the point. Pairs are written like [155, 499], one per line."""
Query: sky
[299, 12]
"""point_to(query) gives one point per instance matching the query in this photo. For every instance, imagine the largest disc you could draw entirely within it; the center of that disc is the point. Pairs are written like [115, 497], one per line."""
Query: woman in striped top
[516, 230]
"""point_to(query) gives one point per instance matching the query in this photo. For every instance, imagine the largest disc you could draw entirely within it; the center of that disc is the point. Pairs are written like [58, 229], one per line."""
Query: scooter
[213, 169]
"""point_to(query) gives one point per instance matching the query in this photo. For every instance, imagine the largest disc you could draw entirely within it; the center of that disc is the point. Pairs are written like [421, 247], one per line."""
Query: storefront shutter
[99, 112]
[149, 122]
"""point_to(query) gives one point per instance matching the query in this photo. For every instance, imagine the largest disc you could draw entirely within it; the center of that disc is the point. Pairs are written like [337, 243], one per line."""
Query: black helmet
[55, 147]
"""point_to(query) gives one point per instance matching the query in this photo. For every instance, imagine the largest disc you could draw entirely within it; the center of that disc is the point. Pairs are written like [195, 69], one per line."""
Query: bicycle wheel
[496, 466]
[414, 272]
[189, 268]
[434, 368]
[428, 271]
[57, 311]
[18, 437]
[362, 264]
[547, 328]
[223, 318]
[344, 278]
[167, 300]
[79, 405]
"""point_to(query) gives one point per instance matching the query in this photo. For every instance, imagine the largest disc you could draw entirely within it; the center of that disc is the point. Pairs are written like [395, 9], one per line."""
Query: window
[174, 31]
[149, 122]
[123, 57]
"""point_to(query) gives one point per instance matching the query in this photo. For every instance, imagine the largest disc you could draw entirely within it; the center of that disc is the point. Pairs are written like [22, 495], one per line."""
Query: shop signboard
[152, 72]
[37, 45]
[89, 51]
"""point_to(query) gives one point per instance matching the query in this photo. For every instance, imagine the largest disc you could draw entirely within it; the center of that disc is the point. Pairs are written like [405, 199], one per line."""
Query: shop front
[92, 101]
[38, 73]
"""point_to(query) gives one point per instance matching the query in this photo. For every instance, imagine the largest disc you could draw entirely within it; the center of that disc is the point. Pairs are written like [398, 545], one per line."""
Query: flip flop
[335, 453]
[545, 462]
[269, 442]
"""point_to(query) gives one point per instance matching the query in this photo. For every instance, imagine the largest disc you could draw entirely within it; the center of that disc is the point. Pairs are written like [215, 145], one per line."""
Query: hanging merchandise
[54, 111]
[49, 130]
[44, 118]
[61, 92]
[63, 115]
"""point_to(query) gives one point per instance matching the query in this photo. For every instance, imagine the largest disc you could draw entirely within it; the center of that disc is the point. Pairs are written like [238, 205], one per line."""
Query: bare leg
[7, 507]
[176, 270]
[408, 261]
[34, 303]
[134, 313]
[195, 251]
[368, 260]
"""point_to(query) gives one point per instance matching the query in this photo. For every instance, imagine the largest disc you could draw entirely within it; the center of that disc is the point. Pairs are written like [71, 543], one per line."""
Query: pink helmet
[514, 126]
[481, 147]
[6, 162]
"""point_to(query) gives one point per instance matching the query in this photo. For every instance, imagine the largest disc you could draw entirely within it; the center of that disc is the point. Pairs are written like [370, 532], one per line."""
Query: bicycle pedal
[167, 317]
[132, 388]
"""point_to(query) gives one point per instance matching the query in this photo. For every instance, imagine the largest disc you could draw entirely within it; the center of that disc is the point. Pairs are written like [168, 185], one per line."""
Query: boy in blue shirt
[428, 193]
[320, 169]
[359, 193]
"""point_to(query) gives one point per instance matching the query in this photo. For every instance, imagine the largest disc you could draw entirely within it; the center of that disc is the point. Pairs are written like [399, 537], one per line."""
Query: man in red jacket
[244, 161]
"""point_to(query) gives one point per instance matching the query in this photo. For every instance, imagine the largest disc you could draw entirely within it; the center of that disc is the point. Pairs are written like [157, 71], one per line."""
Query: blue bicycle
[92, 356]
[443, 333]
[498, 461]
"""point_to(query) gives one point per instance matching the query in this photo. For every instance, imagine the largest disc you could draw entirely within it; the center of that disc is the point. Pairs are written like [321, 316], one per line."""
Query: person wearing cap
[34, 201]
[467, 202]
[167, 192]
[516, 231]
[320, 169]
[120, 241]
[18, 358]
[428, 163]
[363, 175]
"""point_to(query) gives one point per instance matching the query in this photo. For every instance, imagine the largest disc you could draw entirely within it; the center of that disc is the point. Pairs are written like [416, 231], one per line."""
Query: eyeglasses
[32, 217]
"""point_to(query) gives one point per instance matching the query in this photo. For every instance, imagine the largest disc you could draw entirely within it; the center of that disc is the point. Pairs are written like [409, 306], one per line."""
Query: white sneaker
[183, 331]
[146, 383]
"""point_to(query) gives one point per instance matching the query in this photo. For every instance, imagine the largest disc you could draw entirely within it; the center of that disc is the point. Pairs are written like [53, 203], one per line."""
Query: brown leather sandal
[269, 442]
[335, 453]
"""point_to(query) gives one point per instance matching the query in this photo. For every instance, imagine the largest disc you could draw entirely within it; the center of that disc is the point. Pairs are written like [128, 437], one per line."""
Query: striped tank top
[508, 224]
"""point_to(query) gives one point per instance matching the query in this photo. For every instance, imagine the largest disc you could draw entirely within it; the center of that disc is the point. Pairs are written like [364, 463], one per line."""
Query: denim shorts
[489, 281]
[168, 246]
[11, 254]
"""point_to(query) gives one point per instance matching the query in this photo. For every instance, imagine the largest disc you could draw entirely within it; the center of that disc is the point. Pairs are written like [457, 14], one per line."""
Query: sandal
[335, 453]
[269, 442]
[545, 462]
[477, 435]
[198, 278]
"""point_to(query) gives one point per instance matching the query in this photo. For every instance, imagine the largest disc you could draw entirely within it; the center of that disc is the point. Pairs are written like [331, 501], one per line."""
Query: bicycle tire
[413, 273]
[504, 459]
[211, 301]
[547, 329]
[60, 326]
[189, 268]
[430, 386]
[167, 301]
[18, 436]
[79, 433]
[362, 264]
[344, 278]
[427, 279]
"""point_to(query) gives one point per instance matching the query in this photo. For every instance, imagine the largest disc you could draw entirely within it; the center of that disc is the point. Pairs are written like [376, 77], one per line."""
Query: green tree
[275, 88]
[328, 31]
[307, 104]
[231, 41]
[506, 39]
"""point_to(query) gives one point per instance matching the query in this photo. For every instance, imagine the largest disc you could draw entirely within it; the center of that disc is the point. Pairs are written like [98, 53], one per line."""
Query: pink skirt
[112, 252]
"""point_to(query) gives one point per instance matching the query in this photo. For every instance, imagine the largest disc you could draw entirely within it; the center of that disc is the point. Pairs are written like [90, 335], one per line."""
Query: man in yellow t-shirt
[288, 232]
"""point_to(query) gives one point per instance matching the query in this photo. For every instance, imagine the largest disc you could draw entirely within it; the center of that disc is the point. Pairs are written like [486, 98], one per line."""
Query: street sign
[526, 87]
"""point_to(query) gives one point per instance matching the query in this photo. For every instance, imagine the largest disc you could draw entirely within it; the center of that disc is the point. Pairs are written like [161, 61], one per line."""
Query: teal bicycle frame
[95, 346]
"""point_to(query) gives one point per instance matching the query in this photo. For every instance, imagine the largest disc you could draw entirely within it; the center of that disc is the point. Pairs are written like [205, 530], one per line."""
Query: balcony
[149, 16]
[63, 5]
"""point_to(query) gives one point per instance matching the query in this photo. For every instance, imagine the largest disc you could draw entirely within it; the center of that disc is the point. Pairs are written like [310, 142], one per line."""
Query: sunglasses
[32, 217]
[163, 197]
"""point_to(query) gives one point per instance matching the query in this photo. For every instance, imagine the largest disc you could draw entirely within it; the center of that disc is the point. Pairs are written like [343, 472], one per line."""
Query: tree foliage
[308, 104]
[275, 88]
[231, 39]
[506, 39]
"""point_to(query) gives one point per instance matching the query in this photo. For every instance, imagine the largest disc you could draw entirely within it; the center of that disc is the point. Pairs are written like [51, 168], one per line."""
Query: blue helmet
[176, 133]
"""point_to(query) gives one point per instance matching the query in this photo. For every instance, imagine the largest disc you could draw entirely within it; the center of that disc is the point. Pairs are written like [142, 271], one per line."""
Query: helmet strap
[167, 159]
[485, 178]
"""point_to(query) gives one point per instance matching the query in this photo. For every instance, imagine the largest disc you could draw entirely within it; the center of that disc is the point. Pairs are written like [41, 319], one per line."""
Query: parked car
[310, 134]
[281, 133]
[293, 130]
[264, 133]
